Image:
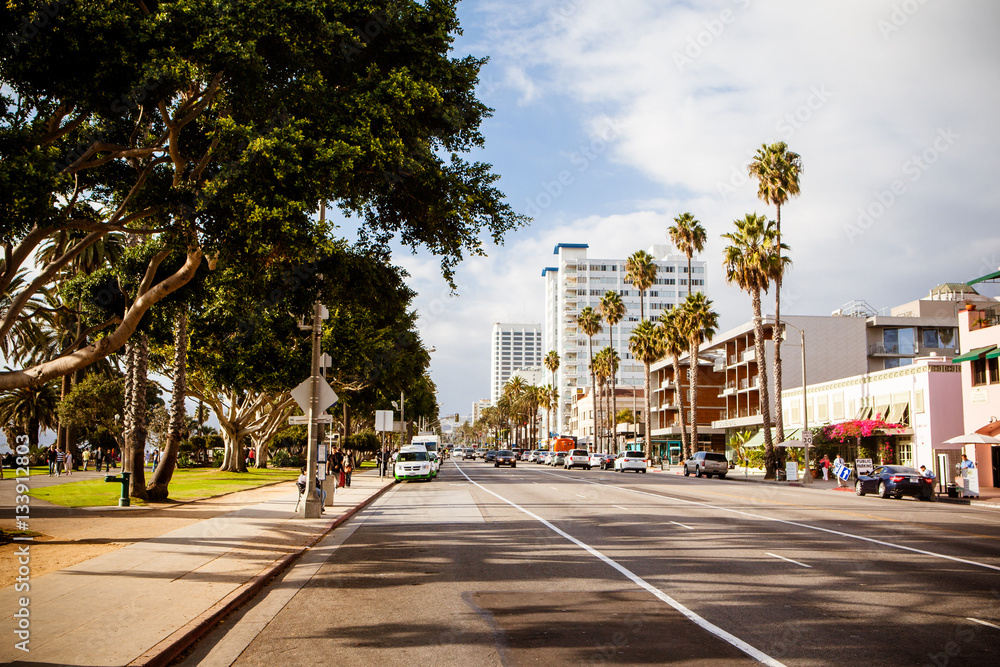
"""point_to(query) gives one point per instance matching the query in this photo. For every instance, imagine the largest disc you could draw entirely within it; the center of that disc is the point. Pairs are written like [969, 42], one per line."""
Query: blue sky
[648, 109]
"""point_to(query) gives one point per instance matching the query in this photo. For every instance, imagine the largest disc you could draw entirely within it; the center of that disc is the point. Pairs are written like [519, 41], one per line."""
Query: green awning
[989, 277]
[995, 354]
[974, 354]
[758, 439]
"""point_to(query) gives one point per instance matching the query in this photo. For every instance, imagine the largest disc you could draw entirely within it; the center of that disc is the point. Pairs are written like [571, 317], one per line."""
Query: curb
[181, 639]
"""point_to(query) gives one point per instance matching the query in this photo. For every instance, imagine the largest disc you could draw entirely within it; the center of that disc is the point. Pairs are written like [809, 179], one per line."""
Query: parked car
[557, 459]
[896, 482]
[490, 456]
[547, 458]
[505, 458]
[630, 461]
[602, 460]
[707, 464]
[539, 456]
[577, 458]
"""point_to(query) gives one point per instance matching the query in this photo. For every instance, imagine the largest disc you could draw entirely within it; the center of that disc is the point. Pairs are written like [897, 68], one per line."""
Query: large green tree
[646, 345]
[216, 129]
[640, 270]
[689, 237]
[777, 171]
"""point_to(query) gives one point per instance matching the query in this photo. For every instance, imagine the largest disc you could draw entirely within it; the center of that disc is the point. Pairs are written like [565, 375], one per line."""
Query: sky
[612, 118]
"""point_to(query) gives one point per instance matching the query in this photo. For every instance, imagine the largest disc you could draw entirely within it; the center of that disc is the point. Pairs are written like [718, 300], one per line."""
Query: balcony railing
[749, 355]
[877, 349]
[732, 360]
[985, 318]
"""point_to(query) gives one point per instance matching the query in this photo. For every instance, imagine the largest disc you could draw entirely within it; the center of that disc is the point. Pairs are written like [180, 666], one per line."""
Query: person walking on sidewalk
[825, 465]
[98, 459]
[348, 467]
[839, 463]
[86, 459]
[68, 460]
[60, 457]
[50, 458]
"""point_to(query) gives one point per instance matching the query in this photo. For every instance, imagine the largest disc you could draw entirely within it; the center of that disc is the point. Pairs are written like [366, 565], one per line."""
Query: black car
[895, 482]
[505, 458]
[491, 456]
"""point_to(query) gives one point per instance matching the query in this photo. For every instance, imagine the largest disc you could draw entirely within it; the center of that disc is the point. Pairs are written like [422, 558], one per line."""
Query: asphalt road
[536, 565]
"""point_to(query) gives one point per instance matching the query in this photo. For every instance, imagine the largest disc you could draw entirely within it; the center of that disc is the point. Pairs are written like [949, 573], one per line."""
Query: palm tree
[698, 323]
[546, 401]
[552, 363]
[613, 309]
[674, 344]
[641, 272]
[751, 262]
[646, 345]
[590, 324]
[601, 373]
[513, 392]
[777, 171]
[689, 237]
[29, 410]
[159, 481]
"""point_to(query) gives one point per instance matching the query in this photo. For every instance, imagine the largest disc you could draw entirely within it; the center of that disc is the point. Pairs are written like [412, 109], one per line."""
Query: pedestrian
[825, 465]
[60, 457]
[320, 491]
[98, 459]
[68, 459]
[50, 458]
[86, 459]
[109, 458]
[964, 466]
[838, 464]
[348, 467]
[251, 458]
[337, 466]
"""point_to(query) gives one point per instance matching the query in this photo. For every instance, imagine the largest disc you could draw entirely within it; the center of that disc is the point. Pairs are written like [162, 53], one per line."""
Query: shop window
[978, 372]
[994, 368]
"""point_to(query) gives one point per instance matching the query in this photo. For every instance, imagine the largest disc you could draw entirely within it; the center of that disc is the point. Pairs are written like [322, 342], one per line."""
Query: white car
[630, 461]
[413, 464]
[577, 458]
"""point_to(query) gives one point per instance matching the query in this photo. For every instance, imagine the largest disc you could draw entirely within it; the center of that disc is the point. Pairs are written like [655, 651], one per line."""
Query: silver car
[707, 464]
[632, 460]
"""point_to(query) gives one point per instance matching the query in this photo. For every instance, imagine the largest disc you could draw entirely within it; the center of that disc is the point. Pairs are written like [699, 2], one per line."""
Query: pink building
[979, 337]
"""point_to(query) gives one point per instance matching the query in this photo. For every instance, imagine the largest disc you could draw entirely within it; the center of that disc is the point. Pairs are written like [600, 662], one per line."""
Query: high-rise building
[577, 281]
[514, 347]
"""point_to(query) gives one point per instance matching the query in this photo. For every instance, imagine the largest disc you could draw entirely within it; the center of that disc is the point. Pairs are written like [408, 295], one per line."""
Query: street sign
[304, 419]
[864, 466]
[302, 393]
[843, 472]
[383, 420]
[807, 438]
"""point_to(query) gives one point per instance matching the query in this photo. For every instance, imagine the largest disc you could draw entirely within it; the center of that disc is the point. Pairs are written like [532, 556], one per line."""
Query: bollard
[123, 480]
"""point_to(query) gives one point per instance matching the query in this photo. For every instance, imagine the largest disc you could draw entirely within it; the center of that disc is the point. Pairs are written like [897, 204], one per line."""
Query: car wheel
[858, 488]
[722, 476]
[643, 471]
[496, 465]
[513, 465]
[697, 472]
[687, 473]
[883, 490]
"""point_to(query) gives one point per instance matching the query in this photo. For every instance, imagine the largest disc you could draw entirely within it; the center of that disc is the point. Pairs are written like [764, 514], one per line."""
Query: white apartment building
[513, 347]
[478, 407]
[578, 281]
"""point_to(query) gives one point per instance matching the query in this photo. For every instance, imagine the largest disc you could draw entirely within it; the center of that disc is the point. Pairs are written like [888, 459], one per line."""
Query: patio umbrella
[972, 439]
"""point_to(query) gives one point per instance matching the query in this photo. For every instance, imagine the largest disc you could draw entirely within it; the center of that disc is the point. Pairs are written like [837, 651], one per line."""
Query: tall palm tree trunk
[160, 479]
[765, 403]
[693, 367]
[646, 419]
[778, 421]
[133, 458]
[685, 449]
[593, 385]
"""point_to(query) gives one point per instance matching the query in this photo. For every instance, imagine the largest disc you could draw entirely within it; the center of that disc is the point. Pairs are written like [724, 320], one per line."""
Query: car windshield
[633, 455]
[412, 456]
[505, 453]
[580, 452]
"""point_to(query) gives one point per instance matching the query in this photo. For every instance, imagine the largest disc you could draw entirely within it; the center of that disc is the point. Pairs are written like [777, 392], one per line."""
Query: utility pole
[312, 506]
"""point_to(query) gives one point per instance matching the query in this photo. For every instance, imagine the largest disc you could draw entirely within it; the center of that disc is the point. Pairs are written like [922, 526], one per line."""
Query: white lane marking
[553, 488]
[682, 525]
[980, 518]
[976, 620]
[620, 507]
[788, 559]
[860, 538]
[580, 495]
[754, 653]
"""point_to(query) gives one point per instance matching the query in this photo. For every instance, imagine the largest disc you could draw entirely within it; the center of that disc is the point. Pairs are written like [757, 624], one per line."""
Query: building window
[904, 451]
[838, 406]
[994, 367]
[978, 372]
[918, 401]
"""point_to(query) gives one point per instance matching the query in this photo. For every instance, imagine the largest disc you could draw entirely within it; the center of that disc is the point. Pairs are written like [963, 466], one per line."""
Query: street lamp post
[805, 414]
[311, 505]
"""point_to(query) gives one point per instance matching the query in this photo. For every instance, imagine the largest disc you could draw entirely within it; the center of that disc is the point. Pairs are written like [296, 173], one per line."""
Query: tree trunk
[778, 421]
[686, 451]
[646, 417]
[159, 483]
[770, 463]
[133, 458]
[693, 383]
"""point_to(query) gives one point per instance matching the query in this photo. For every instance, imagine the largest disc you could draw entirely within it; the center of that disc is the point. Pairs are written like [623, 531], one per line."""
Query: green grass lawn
[186, 484]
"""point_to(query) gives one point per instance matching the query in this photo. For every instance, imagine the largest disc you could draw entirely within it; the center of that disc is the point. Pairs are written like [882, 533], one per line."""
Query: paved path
[143, 603]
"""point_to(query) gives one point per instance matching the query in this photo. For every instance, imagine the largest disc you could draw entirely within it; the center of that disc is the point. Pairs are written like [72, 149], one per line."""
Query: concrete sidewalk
[145, 603]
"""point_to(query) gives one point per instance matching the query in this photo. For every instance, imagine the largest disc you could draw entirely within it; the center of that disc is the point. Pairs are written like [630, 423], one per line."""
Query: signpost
[383, 424]
[864, 466]
[303, 419]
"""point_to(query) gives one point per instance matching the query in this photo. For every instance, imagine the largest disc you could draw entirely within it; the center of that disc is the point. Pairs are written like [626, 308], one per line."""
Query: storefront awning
[758, 439]
[896, 413]
[989, 350]
[995, 354]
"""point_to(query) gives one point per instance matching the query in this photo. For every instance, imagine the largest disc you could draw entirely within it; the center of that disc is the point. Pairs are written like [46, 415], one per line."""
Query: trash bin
[780, 475]
[953, 491]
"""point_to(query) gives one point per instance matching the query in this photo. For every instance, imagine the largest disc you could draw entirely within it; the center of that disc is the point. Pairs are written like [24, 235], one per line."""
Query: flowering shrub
[859, 428]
